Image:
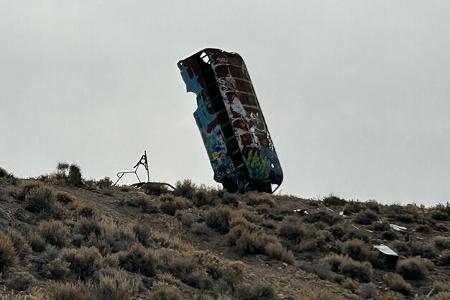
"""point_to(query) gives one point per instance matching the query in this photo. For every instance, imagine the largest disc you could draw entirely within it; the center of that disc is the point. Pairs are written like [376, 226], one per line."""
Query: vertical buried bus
[231, 122]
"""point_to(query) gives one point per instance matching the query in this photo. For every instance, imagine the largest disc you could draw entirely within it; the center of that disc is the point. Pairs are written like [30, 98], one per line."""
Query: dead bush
[425, 250]
[83, 262]
[170, 204]
[86, 211]
[138, 260]
[54, 233]
[365, 217]
[396, 283]
[230, 200]
[20, 281]
[412, 268]
[219, 219]
[8, 256]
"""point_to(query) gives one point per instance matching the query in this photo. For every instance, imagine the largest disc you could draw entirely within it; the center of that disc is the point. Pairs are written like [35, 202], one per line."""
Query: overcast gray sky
[355, 93]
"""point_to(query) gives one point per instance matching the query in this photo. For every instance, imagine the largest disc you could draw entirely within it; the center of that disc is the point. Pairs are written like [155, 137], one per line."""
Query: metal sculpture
[231, 122]
[142, 161]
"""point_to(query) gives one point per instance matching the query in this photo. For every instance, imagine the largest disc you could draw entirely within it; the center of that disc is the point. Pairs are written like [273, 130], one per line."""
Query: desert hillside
[63, 237]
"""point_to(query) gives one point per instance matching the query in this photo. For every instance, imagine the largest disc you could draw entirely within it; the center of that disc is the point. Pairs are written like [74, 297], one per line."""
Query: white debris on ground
[398, 227]
[385, 250]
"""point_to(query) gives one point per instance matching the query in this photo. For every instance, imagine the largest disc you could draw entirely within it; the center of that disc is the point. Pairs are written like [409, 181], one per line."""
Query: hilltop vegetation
[62, 237]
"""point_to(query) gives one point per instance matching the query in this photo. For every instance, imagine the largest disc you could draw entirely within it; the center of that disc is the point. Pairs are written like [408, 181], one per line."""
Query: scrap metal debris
[388, 256]
[231, 123]
[398, 227]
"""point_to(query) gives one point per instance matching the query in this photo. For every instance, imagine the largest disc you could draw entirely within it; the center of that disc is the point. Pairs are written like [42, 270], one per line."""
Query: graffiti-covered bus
[231, 122]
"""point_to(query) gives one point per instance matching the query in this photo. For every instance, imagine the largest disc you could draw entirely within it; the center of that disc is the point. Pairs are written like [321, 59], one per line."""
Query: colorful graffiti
[231, 122]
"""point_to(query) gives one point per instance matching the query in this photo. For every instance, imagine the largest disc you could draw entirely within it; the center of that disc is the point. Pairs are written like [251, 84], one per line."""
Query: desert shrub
[362, 271]
[83, 262]
[256, 292]
[412, 268]
[219, 219]
[26, 189]
[230, 199]
[186, 218]
[8, 256]
[295, 231]
[21, 245]
[367, 291]
[440, 227]
[20, 281]
[56, 269]
[389, 235]
[353, 233]
[423, 228]
[86, 211]
[444, 258]
[257, 242]
[74, 178]
[349, 267]
[143, 233]
[333, 201]
[439, 215]
[401, 247]
[352, 207]
[425, 250]
[63, 197]
[170, 204]
[200, 229]
[62, 168]
[104, 183]
[185, 189]
[87, 227]
[144, 203]
[380, 226]
[396, 283]
[54, 233]
[114, 237]
[36, 242]
[442, 242]
[349, 284]
[40, 199]
[165, 292]
[114, 285]
[356, 249]
[176, 263]
[138, 260]
[365, 217]
[322, 216]
[255, 199]
[321, 269]
[68, 291]
[203, 197]
[3, 173]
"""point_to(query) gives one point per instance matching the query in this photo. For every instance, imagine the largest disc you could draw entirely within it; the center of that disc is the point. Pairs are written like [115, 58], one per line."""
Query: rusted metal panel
[231, 122]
